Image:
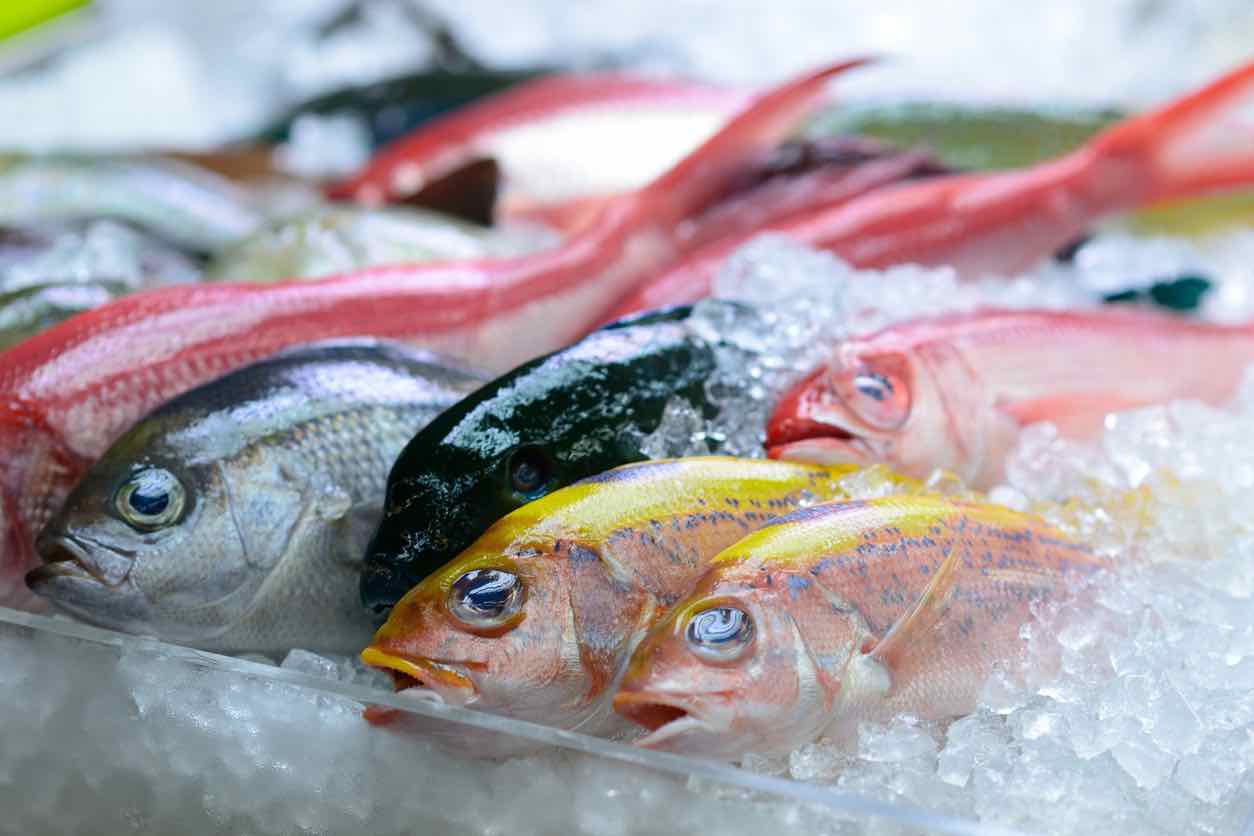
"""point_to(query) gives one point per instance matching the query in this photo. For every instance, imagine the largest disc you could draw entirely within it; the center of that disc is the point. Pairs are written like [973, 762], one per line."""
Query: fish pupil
[149, 504]
[528, 471]
[874, 386]
[484, 596]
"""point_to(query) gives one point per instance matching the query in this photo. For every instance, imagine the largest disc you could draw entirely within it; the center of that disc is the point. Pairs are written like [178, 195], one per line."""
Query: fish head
[726, 671]
[855, 409]
[538, 630]
[157, 538]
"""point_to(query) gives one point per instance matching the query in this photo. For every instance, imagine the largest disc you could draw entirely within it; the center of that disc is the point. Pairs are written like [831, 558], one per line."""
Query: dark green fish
[547, 424]
[235, 516]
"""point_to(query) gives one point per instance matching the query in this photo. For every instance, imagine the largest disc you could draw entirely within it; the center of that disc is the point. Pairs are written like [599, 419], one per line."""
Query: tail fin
[698, 179]
[1199, 143]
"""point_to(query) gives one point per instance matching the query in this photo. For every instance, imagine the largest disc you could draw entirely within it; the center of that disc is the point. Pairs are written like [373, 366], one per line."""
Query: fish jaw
[680, 723]
[92, 584]
[442, 679]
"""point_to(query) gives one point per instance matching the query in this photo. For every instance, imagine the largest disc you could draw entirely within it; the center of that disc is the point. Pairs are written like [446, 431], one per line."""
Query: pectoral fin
[916, 637]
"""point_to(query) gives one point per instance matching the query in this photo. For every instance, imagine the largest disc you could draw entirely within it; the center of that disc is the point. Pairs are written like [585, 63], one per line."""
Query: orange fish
[843, 613]
[538, 617]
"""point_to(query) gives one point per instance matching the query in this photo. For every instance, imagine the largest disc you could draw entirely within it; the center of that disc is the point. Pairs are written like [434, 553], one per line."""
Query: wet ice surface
[131, 736]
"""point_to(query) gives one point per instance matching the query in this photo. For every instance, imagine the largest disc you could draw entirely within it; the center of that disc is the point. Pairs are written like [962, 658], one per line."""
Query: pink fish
[67, 393]
[563, 141]
[1003, 222]
[954, 391]
[844, 613]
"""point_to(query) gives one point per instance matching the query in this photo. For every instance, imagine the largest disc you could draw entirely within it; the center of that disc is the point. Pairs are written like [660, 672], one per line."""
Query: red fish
[1003, 222]
[67, 393]
[556, 140]
[954, 391]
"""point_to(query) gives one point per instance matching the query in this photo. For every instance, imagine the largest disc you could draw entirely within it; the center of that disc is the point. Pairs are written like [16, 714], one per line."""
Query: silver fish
[180, 203]
[236, 516]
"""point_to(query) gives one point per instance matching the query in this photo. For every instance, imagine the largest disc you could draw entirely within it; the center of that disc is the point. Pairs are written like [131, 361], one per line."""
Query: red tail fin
[1201, 142]
[701, 176]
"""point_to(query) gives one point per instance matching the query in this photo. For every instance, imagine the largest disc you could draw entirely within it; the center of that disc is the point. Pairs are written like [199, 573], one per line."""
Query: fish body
[234, 517]
[537, 618]
[340, 239]
[844, 613]
[53, 271]
[68, 392]
[554, 139]
[954, 391]
[1000, 223]
[179, 203]
[545, 425]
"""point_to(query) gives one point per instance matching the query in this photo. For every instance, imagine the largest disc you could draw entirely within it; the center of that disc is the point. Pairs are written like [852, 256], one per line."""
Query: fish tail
[1201, 142]
[703, 176]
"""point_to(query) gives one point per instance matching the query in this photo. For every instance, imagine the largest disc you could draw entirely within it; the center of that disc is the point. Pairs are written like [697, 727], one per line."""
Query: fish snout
[444, 679]
[676, 722]
[66, 555]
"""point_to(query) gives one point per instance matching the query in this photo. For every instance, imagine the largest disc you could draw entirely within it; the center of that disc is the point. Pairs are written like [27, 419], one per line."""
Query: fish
[537, 618]
[843, 613]
[954, 391]
[340, 239]
[547, 424]
[70, 391]
[1001, 223]
[556, 138]
[234, 517]
[49, 272]
[179, 203]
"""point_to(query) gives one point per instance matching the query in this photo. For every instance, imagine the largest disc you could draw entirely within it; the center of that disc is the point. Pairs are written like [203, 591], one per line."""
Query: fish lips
[687, 724]
[438, 681]
[817, 441]
[88, 580]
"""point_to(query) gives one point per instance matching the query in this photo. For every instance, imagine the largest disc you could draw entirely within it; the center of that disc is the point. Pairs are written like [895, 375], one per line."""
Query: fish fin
[698, 179]
[913, 638]
[1201, 142]
[1078, 415]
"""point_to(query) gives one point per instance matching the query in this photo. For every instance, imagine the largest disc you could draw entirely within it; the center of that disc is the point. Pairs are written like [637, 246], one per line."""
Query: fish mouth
[70, 555]
[427, 679]
[668, 718]
[833, 445]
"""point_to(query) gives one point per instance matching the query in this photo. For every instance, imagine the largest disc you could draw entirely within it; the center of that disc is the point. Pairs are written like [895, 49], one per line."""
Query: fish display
[1000, 223]
[538, 617]
[70, 391]
[545, 425]
[842, 613]
[954, 391]
[235, 516]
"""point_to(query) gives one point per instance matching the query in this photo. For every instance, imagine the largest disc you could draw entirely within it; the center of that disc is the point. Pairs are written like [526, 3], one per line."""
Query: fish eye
[529, 471]
[152, 498]
[485, 598]
[720, 634]
[877, 392]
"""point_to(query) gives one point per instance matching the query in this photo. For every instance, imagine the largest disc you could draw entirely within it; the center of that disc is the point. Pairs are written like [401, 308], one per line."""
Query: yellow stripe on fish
[540, 614]
[846, 612]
